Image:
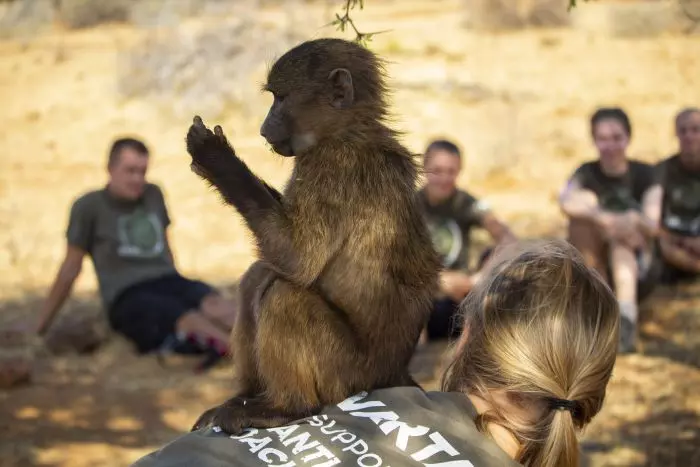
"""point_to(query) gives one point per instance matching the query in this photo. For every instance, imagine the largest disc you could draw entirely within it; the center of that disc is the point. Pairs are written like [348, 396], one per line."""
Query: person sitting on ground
[530, 371]
[612, 206]
[679, 176]
[451, 214]
[123, 228]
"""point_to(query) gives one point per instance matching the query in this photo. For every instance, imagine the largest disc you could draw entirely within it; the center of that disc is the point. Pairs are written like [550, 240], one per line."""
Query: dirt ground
[518, 104]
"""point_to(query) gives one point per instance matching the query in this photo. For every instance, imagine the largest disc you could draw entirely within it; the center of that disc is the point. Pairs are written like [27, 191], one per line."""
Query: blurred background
[514, 82]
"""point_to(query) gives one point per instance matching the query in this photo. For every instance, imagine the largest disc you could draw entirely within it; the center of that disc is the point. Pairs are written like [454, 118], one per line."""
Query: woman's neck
[503, 437]
[614, 168]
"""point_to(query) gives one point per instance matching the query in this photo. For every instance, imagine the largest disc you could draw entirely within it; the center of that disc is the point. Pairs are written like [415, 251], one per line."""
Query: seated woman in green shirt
[528, 373]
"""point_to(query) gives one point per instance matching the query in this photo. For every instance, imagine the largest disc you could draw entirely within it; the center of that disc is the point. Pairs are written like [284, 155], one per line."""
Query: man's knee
[195, 292]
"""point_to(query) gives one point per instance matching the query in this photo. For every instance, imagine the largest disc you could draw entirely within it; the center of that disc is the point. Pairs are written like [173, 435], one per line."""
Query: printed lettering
[322, 452]
[256, 444]
[405, 432]
[247, 433]
[345, 437]
[377, 417]
[358, 448]
[366, 460]
[326, 431]
[351, 403]
[316, 420]
[301, 443]
[284, 431]
[440, 445]
[265, 454]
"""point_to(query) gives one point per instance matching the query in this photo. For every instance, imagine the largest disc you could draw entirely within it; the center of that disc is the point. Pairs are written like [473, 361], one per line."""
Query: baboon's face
[305, 109]
[282, 127]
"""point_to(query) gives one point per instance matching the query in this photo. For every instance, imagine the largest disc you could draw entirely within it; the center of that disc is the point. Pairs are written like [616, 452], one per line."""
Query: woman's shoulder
[393, 426]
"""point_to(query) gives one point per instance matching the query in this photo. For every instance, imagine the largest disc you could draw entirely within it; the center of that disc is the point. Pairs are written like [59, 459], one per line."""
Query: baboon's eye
[278, 98]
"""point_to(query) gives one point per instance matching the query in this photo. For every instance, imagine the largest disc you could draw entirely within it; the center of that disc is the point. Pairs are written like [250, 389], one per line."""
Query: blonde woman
[529, 371]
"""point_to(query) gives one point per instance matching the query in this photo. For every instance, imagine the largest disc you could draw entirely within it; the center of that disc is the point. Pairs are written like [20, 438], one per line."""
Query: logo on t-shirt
[140, 235]
[618, 199]
[360, 431]
[682, 212]
[447, 240]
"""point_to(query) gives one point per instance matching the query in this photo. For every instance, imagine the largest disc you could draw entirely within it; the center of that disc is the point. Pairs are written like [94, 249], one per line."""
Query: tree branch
[342, 22]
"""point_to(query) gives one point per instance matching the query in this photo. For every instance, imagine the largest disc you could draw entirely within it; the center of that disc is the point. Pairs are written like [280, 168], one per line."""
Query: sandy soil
[517, 102]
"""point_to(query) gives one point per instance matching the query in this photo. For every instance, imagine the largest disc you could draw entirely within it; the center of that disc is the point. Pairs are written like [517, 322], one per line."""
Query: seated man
[123, 228]
[451, 213]
[679, 176]
[612, 206]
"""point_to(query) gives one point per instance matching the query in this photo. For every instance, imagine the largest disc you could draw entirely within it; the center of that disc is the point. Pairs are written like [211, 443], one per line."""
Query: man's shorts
[146, 313]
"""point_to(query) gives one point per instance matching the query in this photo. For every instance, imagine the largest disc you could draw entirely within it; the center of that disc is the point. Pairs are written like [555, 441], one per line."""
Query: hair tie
[563, 404]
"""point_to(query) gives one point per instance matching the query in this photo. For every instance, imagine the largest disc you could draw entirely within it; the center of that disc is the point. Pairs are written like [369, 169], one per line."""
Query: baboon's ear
[343, 94]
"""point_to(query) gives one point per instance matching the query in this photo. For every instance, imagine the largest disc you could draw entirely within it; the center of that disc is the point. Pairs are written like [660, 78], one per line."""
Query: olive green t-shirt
[393, 427]
[681, 202]
[450, 223]
[616, 194]
[125, 239]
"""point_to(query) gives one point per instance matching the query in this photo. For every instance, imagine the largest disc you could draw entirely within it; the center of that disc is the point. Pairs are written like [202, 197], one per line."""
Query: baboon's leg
[308, 357]
[251, 291]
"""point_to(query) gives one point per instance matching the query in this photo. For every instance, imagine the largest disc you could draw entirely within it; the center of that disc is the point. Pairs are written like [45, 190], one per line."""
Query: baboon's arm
[261, 206]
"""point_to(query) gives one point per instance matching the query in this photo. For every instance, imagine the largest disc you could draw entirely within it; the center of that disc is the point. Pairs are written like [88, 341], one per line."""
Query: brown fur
[347, 271]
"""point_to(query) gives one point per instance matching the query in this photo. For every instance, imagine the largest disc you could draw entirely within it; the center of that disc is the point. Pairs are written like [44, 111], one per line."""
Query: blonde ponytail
[541, 328]
[560, 447]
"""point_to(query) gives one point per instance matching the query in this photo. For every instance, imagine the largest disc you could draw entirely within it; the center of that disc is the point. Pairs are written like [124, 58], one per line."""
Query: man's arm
[455, 284]
[650, 221]
[79, 235]
[166, 238]
[61, 288]
[499, 231]
[165, 218]
[579, 203]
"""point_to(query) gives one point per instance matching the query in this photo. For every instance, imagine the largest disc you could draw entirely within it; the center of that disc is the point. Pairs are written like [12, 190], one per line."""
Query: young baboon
[347, 270]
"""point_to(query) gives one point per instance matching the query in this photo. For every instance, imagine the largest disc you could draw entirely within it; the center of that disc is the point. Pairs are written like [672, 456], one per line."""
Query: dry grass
[518, 104]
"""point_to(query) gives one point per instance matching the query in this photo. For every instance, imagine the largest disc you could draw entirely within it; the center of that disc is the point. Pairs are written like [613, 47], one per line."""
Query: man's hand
[622, 228]
[642, 223]
[456, 285]
[690, 244]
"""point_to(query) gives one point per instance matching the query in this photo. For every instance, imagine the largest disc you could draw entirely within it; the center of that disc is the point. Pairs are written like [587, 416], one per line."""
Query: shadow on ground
[112, 407]
[104, 408]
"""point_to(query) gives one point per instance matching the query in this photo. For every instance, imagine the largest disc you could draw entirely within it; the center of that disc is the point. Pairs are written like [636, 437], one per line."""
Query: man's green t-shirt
[450, 223]
[681, 203]
[393, 427]
[125, 239]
